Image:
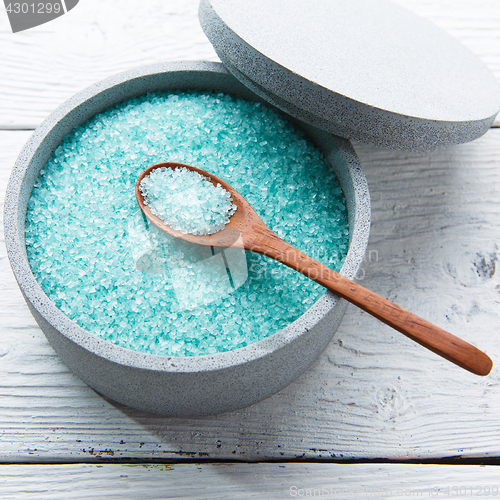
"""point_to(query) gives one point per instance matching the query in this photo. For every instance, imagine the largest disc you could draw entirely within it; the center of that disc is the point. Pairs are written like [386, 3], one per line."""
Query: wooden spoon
[246, 231]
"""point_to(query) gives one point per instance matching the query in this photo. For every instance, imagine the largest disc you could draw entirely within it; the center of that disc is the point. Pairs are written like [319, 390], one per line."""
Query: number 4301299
[34, 8]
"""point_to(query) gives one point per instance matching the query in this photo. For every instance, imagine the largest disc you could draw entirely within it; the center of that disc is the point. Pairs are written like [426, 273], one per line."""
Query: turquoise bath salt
[99, 260]
[187, 201]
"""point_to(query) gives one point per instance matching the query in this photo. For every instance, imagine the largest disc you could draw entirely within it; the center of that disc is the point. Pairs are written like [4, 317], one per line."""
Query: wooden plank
[371, 394]
[247, 481]
[44, 66]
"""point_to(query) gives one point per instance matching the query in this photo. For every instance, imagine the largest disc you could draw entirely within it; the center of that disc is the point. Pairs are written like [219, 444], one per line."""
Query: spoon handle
[426, 334]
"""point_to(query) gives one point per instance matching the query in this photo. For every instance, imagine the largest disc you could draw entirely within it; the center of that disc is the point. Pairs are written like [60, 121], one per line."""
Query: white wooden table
[372, 394]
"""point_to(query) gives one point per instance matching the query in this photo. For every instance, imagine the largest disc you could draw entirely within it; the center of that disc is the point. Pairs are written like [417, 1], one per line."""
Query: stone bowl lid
[367, 70]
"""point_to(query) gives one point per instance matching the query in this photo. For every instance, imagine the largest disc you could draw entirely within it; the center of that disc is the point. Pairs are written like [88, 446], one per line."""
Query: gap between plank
[495, 461]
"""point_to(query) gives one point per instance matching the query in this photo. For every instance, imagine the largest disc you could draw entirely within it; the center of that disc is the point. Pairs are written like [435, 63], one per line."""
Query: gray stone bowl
[176, 386]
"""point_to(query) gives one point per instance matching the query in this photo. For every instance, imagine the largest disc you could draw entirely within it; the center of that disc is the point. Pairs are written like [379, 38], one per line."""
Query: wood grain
[44, 66]
[246, 481]
[372, 394]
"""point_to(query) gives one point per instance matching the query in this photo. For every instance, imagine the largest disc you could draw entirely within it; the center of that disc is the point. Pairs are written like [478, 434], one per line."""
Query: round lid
[364, 69]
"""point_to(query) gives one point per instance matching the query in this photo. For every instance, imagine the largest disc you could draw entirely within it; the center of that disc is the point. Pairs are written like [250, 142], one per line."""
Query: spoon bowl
[246, 230]
[227, 237]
